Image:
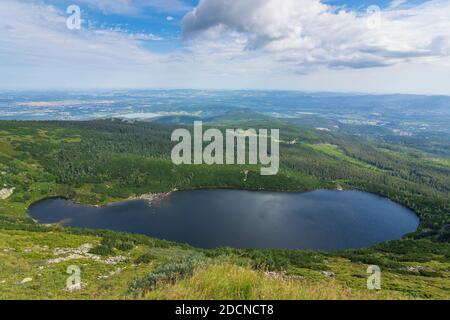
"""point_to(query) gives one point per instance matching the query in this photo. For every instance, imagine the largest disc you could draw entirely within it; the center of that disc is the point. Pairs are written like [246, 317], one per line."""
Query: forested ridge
[93, 161]
[98, 162]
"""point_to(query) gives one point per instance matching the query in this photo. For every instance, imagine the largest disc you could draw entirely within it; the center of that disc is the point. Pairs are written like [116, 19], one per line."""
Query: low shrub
[146, 258]
[168, 272]
[276, 259]
[102, 250]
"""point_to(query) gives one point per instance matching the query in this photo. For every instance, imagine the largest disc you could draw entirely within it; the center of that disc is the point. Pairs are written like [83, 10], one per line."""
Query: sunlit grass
[224, 282]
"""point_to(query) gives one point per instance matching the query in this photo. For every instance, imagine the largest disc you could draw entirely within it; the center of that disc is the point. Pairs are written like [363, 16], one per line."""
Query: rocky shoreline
[153, 197]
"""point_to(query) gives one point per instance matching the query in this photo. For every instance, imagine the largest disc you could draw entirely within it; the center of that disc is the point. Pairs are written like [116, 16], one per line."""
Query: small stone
[26, 280]
[327, 273]
[75, 287]
[117, 271]
[6, 192]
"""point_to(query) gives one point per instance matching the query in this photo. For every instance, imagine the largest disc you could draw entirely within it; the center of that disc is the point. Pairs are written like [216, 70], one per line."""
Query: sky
[371, 46]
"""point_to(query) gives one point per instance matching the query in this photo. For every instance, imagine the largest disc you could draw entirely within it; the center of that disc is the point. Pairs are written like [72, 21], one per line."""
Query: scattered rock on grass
[6, 193]
[327, 273]
[75, 287]
[26, 280]
[82, 252]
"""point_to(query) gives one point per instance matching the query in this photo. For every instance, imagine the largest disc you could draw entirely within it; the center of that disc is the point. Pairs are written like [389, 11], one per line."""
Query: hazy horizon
[376, 46]
[306, 92]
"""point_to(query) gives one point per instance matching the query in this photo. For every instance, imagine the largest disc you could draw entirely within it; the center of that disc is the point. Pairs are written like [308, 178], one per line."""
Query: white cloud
[145, 37]
[258, 44]
[37, 50]
[131, 7]
[396, 3]
[33, 32]
[307, 33]
[116, 6]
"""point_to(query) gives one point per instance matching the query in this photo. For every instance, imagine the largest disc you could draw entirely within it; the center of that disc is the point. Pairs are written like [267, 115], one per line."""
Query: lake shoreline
[159, 196]
[206, 218]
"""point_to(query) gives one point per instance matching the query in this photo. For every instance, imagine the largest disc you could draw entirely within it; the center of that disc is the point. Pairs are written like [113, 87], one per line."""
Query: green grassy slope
[104, 161]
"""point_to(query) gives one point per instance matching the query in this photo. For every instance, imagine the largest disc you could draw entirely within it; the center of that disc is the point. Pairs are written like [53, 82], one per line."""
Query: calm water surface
[319, 220]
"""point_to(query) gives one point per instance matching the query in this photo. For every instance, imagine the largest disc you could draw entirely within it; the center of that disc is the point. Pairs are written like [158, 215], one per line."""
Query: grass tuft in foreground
[227, 282]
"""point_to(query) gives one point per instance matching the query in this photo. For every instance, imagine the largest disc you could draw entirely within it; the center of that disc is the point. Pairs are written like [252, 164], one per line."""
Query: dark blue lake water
[319, 220]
